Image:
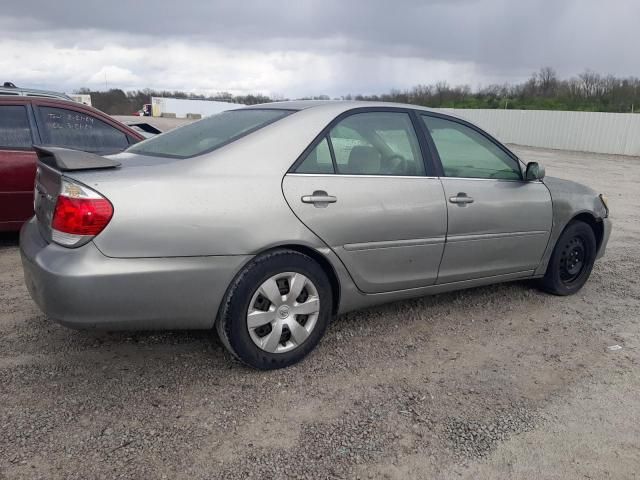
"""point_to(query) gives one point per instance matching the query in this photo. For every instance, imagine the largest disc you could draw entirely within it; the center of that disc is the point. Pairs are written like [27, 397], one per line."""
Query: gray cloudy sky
[295, 48]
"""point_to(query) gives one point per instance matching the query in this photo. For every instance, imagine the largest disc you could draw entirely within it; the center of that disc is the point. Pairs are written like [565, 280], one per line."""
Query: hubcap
[572, 260]
[283, 312]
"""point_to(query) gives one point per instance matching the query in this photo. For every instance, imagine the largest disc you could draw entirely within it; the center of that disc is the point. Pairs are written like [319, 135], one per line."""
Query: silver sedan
[266, 222]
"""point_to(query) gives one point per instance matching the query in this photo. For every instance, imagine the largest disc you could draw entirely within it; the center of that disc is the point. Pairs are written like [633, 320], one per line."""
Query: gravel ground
[495, 382]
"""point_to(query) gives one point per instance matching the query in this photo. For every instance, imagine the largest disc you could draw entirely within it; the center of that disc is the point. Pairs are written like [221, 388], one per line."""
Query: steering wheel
[397, 164]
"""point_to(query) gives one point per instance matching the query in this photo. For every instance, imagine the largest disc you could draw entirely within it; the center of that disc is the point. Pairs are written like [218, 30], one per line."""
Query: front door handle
[461, 199]
[319, 198]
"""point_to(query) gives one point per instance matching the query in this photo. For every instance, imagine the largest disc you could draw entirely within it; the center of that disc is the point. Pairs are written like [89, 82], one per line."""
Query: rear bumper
[82, 288]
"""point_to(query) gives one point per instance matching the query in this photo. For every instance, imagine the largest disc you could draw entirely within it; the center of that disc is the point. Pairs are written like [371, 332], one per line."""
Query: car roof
[338, 105]
[56, 100]
[32, 92]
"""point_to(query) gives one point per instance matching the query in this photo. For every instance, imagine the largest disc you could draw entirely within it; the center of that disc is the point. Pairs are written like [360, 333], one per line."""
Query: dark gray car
[267, 221]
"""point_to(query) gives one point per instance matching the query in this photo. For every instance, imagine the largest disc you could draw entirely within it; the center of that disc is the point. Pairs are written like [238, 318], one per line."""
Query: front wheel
[571, 261]
[276, 310]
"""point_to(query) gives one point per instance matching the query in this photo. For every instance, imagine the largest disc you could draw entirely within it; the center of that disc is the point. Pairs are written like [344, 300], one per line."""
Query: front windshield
[208, 134]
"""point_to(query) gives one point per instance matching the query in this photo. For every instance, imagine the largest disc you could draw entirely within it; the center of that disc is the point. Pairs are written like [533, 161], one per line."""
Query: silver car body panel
[182, 229]
[353, 299]
[227, 205]
[571, 199]
[81, 288]
[388, 241]
[492, 236]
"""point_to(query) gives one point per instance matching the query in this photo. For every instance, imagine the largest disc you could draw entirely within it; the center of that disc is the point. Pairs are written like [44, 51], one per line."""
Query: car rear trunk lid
[53, 164]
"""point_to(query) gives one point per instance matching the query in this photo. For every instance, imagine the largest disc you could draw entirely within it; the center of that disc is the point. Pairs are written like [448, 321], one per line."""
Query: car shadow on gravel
[150, 338]
[427, 313]
[9, 239]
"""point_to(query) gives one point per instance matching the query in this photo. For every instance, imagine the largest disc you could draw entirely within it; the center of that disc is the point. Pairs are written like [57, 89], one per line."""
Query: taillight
[80, 214]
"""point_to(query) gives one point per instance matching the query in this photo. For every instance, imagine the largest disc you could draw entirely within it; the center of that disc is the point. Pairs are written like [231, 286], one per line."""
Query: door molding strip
[493, 236]
[414, 242]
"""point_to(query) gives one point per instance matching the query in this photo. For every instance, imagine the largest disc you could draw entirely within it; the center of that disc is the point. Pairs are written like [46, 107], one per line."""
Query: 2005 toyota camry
[267, 221]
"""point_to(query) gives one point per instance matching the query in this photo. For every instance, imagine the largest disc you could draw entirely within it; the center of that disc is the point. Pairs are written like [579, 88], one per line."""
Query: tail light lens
[80, 214]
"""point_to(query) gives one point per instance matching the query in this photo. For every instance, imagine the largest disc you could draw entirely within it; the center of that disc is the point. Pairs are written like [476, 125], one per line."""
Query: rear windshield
[208, 134]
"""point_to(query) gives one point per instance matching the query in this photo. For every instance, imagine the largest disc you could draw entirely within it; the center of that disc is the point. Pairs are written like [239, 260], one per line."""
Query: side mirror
[534, 171]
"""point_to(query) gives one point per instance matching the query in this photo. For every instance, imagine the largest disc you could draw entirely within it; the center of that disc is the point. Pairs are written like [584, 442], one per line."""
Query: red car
[28, 121]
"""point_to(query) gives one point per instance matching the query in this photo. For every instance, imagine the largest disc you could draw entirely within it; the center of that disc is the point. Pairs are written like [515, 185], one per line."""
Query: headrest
[363, 160]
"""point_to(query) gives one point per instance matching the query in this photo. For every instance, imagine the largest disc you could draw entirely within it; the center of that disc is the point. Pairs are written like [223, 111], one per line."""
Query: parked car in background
[9, 89]
[266, 221]
[143, 128]
[28, 120]
[145, 111]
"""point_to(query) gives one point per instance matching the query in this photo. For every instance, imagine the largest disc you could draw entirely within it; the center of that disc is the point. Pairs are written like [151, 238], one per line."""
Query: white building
[181, 108]
[80, 98]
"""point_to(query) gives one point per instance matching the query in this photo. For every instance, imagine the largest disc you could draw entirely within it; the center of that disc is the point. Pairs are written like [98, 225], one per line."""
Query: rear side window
[318, 160]
[371, 143]
[208, 134]
[14, 127]
[72, 129]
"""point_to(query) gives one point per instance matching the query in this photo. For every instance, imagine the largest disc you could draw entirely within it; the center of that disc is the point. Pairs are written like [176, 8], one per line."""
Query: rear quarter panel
[227, 202]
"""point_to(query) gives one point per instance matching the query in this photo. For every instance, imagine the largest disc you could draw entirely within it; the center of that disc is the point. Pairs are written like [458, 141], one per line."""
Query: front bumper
[82, 288]
[606, 226]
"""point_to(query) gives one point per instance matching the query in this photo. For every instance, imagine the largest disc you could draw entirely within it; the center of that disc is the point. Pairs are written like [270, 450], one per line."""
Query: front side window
[465, 153]
[206, 135]
[377, 143]
[77, 130]
[14, 127]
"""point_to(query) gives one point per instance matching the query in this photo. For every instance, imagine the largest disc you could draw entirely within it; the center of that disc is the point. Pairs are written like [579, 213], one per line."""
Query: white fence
[614, 133]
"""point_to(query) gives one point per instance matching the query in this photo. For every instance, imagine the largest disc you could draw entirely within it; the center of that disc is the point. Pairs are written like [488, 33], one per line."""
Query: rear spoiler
[66, 160]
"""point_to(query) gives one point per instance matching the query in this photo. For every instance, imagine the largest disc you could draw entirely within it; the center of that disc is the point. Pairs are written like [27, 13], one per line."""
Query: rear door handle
[461, 199]
[319, 198]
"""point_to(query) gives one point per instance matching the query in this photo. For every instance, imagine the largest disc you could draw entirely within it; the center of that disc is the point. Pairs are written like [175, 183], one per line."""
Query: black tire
[231, 322]
[571, 261]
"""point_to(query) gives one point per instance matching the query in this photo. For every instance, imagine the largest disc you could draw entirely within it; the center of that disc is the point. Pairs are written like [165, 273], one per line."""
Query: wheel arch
[560, 225]
[313, 253]
[595, 224]
[324, 263]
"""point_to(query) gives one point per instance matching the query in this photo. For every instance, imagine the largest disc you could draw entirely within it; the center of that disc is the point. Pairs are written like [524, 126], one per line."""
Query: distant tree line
[589, 91]
[118, 102]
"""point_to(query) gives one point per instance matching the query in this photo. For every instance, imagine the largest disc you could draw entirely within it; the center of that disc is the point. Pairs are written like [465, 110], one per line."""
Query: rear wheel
[276, 310]
[572, 260]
